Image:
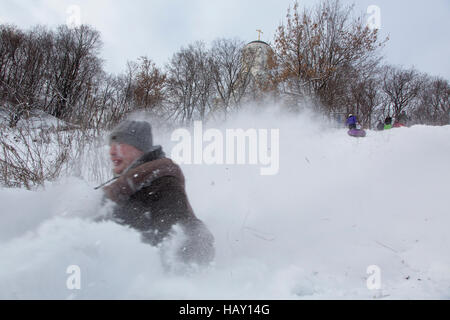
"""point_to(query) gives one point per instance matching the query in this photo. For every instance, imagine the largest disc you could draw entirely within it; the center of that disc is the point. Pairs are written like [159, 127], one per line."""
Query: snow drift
[337, 206]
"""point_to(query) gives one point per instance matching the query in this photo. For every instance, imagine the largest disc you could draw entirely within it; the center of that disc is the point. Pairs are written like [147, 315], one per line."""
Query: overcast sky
[419, 30]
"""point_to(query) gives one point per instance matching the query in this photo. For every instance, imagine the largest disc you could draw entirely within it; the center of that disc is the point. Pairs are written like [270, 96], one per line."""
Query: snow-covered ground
[337, 206]
[36, 119]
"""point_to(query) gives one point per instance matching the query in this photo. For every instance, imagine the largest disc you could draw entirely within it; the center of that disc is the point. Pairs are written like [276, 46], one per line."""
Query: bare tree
[318, 50]
[401, 88]
[434, 104]
[23, 63]
[363, 98]
[149, 85]
[123, 100]
[189, 83]
[226, 66]
[75, 64]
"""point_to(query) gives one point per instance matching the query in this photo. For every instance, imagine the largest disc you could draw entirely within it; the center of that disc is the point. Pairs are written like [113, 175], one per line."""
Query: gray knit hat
[135, 133]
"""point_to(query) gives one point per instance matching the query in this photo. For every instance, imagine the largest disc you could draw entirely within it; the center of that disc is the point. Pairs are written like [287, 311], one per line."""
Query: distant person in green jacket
[388, 123]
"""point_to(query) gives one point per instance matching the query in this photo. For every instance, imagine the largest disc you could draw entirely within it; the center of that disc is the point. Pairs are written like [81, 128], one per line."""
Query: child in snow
[351, 121]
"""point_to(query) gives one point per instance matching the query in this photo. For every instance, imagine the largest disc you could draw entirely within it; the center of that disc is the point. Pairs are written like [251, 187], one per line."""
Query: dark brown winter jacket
[151, 198]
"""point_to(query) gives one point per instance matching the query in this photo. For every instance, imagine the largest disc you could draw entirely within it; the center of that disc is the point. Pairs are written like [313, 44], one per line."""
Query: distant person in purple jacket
[351, 121]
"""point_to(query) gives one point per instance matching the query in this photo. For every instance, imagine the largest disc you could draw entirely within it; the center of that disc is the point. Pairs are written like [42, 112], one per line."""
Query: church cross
[259, 34]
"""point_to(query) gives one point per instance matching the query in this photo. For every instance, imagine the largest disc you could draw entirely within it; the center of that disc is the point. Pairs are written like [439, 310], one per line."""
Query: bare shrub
[30, 156]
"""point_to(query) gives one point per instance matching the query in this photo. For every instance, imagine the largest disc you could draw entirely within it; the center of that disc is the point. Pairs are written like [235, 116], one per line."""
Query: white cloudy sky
[418, 29]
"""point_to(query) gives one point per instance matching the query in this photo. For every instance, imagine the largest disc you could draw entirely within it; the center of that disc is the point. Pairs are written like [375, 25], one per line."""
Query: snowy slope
[337, 206]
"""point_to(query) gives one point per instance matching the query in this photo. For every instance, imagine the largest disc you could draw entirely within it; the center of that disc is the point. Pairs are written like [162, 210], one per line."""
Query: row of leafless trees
[60, 72]
[330, 55]
[324, 54]
[54, 71]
